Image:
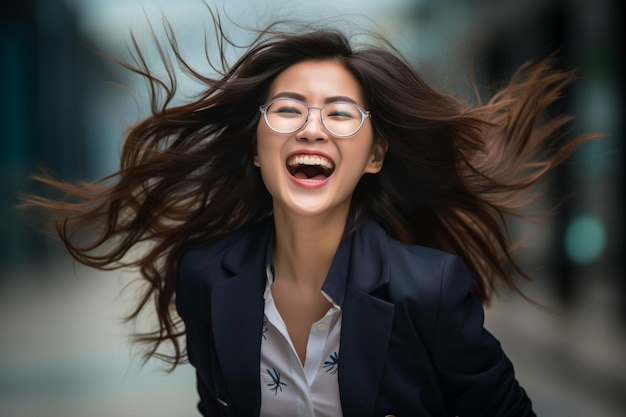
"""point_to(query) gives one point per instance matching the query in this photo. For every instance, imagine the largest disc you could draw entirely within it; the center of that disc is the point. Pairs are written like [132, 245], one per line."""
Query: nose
[313, 129]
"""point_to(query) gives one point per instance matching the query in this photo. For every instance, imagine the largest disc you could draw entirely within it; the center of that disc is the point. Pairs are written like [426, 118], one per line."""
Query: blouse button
[321, 327]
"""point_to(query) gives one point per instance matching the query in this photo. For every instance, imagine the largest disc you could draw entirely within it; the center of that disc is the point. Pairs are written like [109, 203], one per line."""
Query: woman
[328, 228]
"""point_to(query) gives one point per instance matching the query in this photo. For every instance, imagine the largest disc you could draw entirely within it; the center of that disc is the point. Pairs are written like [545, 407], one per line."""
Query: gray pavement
[65, 353]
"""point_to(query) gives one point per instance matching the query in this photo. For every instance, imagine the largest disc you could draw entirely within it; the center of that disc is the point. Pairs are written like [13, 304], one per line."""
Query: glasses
[340, 118]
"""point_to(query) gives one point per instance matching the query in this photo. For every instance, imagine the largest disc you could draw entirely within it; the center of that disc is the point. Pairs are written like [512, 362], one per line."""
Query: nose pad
[313, 129]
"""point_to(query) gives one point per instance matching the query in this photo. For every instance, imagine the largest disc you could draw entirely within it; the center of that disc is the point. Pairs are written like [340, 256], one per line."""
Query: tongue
[303, 176]
[314, 173]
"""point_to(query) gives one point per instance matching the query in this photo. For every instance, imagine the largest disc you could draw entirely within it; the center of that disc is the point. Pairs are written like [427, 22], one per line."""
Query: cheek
[267, 148]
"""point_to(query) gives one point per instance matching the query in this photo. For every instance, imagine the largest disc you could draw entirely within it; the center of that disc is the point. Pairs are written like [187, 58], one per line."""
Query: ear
[255, 157]
[377, 156]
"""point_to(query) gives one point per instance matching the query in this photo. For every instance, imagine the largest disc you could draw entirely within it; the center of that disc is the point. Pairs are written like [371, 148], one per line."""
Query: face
[311, 171]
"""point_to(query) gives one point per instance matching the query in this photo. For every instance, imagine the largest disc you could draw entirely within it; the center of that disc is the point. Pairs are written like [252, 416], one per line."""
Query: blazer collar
[361, 259]
[359, 268]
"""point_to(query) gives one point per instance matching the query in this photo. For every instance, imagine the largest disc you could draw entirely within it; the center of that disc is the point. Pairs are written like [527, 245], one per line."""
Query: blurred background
[63, 349]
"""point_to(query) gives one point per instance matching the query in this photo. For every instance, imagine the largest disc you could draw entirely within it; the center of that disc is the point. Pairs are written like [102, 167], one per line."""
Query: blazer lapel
[366, 323]
[365, 332]
[237, 317]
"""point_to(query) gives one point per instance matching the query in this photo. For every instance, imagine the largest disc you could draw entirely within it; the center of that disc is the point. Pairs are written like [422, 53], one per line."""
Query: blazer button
[219, 400]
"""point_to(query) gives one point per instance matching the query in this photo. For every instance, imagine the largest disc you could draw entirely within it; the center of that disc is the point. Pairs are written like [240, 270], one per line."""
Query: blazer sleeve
[477, 376]
[197, 330]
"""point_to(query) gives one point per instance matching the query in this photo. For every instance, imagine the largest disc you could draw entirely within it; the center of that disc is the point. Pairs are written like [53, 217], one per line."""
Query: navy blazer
[412, 337]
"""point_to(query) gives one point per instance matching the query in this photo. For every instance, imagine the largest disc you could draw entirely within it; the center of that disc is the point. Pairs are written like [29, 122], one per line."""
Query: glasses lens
[286, 116]
[342, 118]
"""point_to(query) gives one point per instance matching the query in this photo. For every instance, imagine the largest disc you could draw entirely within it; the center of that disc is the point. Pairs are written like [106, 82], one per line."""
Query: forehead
[317, 80]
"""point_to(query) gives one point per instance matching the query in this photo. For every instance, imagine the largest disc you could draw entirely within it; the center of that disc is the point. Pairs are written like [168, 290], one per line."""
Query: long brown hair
[452, 173]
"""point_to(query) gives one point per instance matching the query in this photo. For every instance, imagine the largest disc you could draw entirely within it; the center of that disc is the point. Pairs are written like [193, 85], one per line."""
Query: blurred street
[65, 353]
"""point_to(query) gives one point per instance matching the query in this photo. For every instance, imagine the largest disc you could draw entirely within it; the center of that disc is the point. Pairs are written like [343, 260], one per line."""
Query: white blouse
[287, 387]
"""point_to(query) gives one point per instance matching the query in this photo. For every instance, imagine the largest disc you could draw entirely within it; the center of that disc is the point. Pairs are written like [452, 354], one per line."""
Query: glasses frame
[364, 114]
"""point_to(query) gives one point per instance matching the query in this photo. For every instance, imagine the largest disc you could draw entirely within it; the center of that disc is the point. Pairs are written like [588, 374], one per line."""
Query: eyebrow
[297, 96]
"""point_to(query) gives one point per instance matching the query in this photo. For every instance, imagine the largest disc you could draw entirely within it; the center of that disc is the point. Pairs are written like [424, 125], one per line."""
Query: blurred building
[47, 76]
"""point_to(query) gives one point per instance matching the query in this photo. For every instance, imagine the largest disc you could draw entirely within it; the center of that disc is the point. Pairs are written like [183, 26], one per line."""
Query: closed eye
[287, 111]
[339, 115]
[342, 111]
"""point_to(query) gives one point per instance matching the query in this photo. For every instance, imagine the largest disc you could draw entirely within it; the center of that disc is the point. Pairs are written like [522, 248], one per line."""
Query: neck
[305, 247]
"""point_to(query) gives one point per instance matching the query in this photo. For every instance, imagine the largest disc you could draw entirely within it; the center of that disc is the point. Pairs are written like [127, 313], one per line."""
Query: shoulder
[374, 244]
[204, 257]
[422, 259]
[426, 275]
[200, 257]
[412, 273]
[405, 255]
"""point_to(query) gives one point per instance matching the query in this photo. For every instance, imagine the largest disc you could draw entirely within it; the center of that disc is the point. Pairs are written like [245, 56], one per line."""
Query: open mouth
[310, 167]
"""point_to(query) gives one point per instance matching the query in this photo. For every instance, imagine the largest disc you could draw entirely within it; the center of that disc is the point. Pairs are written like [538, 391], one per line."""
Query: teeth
[312, 160]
